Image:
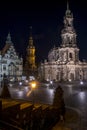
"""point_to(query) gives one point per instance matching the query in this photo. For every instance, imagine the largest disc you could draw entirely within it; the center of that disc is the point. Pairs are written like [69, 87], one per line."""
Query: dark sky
[46, 19]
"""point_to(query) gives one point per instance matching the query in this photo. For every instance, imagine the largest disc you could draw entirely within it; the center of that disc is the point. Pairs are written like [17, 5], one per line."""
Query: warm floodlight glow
[33, 84]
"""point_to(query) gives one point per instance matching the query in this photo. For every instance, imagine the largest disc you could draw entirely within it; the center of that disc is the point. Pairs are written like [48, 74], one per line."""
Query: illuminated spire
[9, 39]
[67, 5]
[68, 12]
[67, 38]
[30, 37]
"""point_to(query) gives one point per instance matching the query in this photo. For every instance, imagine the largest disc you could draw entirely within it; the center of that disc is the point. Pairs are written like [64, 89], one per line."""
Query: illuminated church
[11, 64]
[63, 62]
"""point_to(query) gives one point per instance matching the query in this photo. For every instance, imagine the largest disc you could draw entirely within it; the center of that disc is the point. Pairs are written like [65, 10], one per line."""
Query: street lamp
[20, 85]
[33, 85]
[81, 83]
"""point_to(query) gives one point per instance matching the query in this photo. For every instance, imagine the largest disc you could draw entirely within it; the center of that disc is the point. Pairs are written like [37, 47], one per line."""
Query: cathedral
[10, 63]
[63, 62]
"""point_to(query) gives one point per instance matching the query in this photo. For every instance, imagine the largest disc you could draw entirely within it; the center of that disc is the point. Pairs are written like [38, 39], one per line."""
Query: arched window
[71, 76]
[70, 55]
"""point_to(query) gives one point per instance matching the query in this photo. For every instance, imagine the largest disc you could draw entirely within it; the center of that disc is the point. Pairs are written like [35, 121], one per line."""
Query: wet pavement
[75, 96]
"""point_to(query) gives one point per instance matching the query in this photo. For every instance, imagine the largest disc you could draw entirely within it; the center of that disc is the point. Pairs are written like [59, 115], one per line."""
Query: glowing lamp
[33, 84]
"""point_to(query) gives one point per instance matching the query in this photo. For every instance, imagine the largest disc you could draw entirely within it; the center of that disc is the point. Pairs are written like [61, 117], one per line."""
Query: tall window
[70, 55]
[4, 67]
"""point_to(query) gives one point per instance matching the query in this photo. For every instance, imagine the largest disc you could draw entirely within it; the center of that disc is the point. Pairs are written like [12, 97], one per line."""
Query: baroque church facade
[10, 63]
[63, 62]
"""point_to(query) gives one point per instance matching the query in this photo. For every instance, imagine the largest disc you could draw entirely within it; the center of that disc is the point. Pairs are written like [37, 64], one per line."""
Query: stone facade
[63, 62]
[10, 63]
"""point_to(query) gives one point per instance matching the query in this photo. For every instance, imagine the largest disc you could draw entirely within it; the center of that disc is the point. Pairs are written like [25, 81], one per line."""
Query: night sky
[46, 20]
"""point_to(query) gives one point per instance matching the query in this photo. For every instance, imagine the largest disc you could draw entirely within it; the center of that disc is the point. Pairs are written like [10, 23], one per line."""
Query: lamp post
[33, 85]
[81, 83]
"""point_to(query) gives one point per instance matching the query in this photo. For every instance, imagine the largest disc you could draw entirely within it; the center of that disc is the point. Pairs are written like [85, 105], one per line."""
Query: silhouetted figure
[58, 101]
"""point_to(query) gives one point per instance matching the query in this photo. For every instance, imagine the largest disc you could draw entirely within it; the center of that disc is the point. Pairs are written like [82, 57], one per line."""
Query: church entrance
[71, 76]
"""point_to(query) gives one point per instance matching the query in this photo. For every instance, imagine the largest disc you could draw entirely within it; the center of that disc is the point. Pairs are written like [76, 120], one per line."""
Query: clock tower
[30, 65]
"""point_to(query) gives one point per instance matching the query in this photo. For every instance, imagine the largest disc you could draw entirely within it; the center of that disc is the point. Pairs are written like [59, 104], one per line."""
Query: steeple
[30, 65]
[8, 40]
[68, 11]
[67, 5]
[30, 37]
[68, 34]
[30, 31]
[68, 19]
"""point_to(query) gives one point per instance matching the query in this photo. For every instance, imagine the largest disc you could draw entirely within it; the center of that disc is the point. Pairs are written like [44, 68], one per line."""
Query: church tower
[30, 65]
[63, 62]
[69, 49]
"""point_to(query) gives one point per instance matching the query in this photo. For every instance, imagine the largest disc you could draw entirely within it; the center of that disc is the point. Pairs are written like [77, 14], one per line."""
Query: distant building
[30, 64]
[10, 63]
[63, 62]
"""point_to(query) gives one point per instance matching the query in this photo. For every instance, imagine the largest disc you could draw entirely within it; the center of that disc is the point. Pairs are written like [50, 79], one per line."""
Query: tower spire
[30, 65]
[30, 31]
[67, 38]
[8, 40]
[68, 11]
[30, 36]
[67, 5]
